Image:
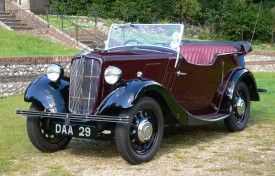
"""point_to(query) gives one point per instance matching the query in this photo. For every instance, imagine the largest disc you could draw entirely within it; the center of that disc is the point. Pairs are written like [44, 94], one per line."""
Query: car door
[195, 86]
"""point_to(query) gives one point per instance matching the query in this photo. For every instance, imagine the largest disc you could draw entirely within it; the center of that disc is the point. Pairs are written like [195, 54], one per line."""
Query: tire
[139, 140]
[41, 136]
[238, 118]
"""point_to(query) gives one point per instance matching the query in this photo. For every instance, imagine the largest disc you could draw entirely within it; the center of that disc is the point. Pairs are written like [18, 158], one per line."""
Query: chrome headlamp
[55, 72]
[112, 75]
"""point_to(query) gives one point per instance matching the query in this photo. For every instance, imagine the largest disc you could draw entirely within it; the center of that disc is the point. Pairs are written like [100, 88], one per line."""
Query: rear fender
[51, 95]
[240, 75]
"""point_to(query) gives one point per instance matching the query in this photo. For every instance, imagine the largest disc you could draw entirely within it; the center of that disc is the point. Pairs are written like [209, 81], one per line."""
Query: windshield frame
[128, 25]
[178, 37]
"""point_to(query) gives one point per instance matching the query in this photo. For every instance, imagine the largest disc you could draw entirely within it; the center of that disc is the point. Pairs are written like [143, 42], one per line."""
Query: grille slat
[84, 82]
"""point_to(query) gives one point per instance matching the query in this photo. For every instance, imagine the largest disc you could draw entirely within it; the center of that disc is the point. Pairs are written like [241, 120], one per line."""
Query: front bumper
[67, 117]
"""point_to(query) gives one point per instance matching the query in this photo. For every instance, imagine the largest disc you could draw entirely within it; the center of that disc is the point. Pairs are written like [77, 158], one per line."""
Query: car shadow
[174, 136]
[91, 147]
[189, 136]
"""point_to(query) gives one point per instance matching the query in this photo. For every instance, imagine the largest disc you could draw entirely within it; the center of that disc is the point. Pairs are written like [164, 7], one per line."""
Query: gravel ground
[186, 151]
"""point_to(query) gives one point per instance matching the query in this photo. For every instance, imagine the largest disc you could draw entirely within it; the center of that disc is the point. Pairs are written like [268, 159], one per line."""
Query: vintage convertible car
[146, 77]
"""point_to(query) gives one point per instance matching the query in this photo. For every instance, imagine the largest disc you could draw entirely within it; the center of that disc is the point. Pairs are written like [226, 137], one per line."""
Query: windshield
[162, 35]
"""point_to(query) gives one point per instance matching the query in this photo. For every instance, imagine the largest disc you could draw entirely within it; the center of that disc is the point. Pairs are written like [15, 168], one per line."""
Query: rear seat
[203, 54]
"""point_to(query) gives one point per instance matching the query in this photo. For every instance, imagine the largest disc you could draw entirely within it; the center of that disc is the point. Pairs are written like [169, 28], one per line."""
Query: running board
[205, 119]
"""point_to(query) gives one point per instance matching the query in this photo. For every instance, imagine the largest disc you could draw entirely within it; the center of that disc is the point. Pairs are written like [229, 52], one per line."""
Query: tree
[125, 9]
[188, 9]
[233, 20]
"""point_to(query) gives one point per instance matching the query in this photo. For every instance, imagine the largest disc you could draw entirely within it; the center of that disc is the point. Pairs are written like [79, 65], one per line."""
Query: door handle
[179, 73]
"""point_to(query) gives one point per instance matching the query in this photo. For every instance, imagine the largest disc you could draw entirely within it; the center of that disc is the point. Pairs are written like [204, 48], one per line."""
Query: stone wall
[17, 73]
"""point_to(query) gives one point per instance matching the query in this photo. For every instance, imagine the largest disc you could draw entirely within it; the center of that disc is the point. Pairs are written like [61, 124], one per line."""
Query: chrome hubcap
[145, 130]
[240, 106]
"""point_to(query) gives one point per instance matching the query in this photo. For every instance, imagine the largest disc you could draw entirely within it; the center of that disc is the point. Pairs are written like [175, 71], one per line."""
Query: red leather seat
[203, 54]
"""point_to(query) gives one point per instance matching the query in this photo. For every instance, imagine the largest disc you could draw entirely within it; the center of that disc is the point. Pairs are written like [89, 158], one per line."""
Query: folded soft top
[241, 46]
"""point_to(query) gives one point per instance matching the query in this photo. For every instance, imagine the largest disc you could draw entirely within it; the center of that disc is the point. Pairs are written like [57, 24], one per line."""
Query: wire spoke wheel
[41, 134]
[48, 135]
[143, 131]
[139, 140]
[239, 107]
[238, 118]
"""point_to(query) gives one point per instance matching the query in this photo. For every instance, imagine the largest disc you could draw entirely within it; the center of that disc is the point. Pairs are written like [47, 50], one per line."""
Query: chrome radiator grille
[83, 85]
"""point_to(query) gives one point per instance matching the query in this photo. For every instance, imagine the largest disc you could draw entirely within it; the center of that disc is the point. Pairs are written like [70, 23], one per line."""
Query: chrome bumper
[75, 117]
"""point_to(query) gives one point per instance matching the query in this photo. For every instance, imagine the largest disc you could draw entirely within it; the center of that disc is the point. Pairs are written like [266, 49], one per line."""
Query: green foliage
[188, 9]
[229, 19]
[233, 20]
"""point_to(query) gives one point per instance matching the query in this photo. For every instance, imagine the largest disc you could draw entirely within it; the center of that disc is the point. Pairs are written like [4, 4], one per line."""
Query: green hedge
[229, 18]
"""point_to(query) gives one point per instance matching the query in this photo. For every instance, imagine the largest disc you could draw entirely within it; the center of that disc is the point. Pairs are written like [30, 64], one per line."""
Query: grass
[14, 44]
[263, 47]
[203, 150]
[84, 22]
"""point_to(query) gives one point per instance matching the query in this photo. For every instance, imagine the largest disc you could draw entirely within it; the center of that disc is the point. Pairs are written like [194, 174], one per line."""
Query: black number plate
[75, 130]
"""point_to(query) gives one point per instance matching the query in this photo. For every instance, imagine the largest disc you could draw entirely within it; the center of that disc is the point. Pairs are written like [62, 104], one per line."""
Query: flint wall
[16, 73]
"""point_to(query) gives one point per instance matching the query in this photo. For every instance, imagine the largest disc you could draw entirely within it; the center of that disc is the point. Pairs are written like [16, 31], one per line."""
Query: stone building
[2, 5]
[36, 6]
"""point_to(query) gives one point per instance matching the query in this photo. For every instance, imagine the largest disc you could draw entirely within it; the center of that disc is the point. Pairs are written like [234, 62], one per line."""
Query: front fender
[240, 75]
[126, 96]
[52, 96]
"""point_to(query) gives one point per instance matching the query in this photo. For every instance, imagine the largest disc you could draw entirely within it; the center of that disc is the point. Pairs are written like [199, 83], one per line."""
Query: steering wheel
[160, 43]
[132, 40]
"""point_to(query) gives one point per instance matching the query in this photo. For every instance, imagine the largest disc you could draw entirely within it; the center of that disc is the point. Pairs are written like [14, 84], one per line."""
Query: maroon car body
[131, 91]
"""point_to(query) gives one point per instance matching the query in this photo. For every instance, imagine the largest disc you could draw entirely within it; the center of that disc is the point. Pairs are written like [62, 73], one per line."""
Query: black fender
[53, 96]
[127, 95]
[239, 75]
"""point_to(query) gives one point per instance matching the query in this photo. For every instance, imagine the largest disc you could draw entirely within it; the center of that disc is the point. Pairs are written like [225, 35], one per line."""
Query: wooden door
[2, 5]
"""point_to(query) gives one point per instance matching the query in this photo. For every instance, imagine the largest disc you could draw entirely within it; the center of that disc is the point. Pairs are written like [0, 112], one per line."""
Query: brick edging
[19, 78]
[34, 60]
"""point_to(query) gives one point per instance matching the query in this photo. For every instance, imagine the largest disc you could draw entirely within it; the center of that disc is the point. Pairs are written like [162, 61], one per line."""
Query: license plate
[74, 130]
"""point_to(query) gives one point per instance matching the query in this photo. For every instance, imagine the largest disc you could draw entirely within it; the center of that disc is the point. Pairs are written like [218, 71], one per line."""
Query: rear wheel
[139, 140]
[41, 136]
[238, 118]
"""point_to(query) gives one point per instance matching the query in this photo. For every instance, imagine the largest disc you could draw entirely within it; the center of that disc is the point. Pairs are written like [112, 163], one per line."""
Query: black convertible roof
[241, 46]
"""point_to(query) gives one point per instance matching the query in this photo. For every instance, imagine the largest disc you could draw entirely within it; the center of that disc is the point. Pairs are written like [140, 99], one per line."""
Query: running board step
[205, 119]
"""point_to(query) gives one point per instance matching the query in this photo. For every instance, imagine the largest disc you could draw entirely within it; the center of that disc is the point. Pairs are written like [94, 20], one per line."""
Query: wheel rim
[143, 131]
[240, 107]
[46, 133]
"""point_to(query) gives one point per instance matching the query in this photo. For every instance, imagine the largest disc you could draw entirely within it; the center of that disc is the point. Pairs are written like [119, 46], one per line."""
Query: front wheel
[42, 136]
[139, 140]
[238, 118]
